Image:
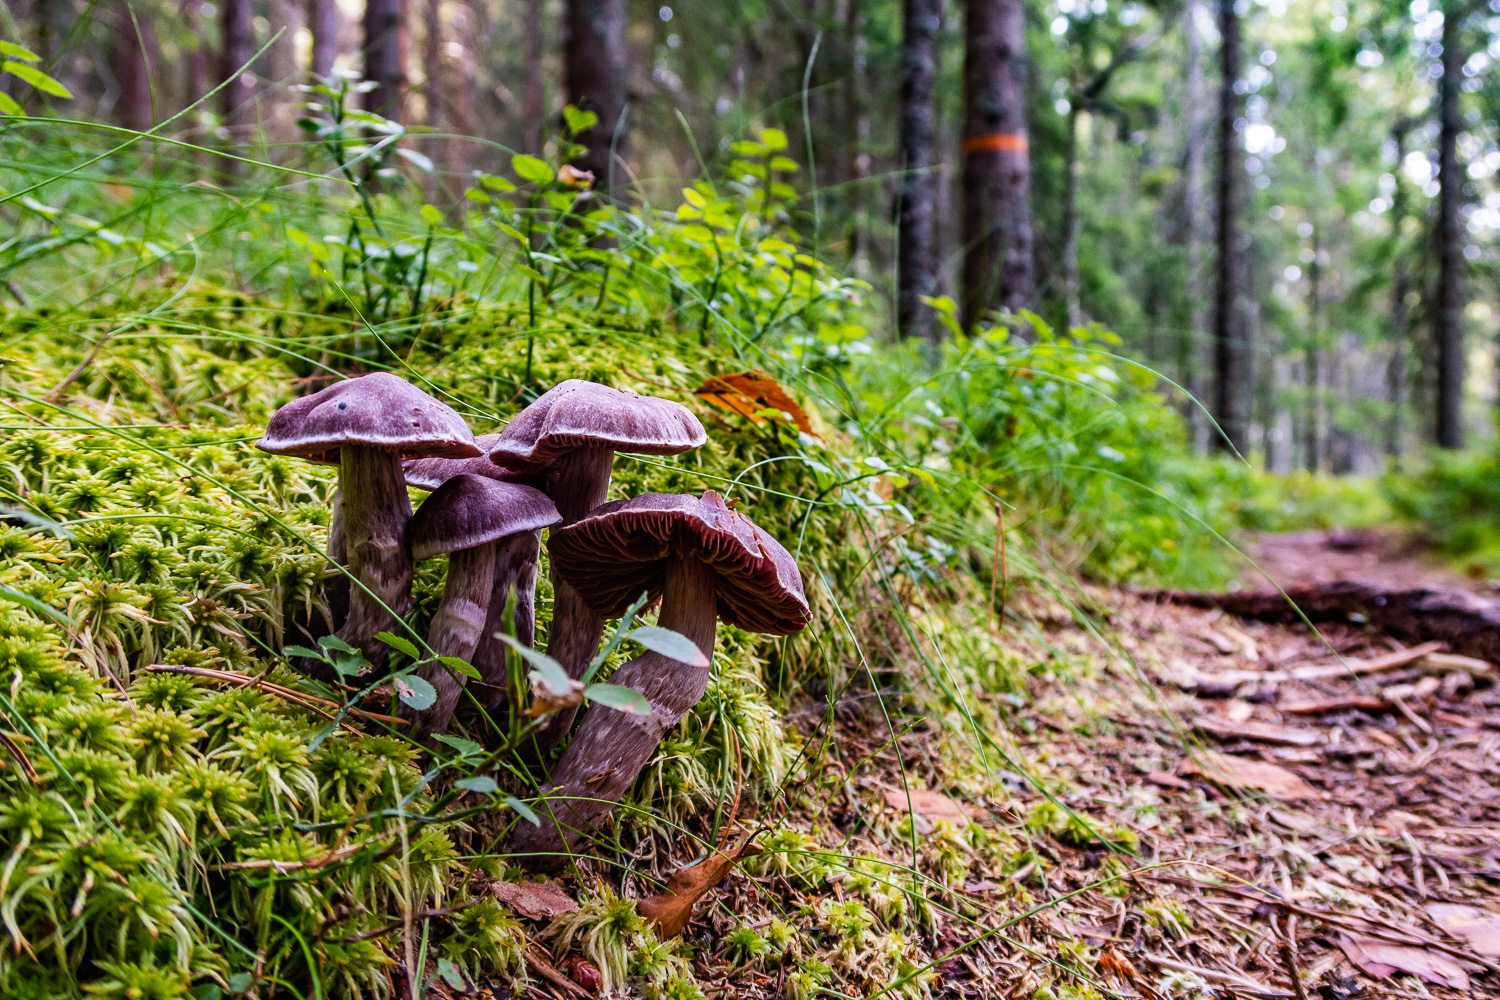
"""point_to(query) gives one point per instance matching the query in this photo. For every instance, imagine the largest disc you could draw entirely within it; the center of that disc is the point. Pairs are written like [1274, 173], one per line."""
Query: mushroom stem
[336, 587]
[611, 747]
[515, 569]
[456, 629]
[578, 486]
[376, 510]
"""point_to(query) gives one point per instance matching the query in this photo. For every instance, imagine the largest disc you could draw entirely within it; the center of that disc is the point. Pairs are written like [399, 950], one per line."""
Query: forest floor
[1293, 813]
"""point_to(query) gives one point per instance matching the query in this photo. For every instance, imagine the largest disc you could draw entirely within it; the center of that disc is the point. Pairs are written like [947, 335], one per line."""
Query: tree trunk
[1193, 357]
[128, 62]
[1313, 447]
[1232, 381]
[386, 43]
[856, 132]
[436, 84]
[916, 259]
[534, 92]
[327, 24]
[1395, 373]
[998, 266]
[238, 97]
[1070, 221]
[595, 77]
[1448, 313]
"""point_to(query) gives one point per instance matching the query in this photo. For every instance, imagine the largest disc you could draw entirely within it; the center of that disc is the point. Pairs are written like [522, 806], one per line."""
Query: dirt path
[1345, 824]
[1383, 556]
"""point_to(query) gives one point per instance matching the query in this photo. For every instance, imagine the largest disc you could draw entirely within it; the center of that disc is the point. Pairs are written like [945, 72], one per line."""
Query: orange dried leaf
[749, 394]
[534, 900]
[1243, 773]
[671, 908]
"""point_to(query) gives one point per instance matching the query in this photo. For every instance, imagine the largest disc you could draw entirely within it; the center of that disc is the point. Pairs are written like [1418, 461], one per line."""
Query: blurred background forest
[1288, 208]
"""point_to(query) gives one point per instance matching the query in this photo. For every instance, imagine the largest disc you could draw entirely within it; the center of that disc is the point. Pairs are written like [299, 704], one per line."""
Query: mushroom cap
[469, 510]
[379, 410]
[430, 473]
[625, 546]
[578, 414]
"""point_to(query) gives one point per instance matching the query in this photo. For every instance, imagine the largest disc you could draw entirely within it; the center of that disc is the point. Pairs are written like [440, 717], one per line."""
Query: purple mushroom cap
[379, 410]
[578, 414]
[469, 510]
[624, 547]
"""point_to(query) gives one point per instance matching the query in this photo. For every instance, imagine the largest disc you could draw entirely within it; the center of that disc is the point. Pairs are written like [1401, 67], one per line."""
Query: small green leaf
[204, 991]
[548, 670]
[8, 106]
[512, 232]
[334, 642]
[481, 785]
[350, 665]
[465, 748]
[474, 194]
[497, 183]
[462, 667]
[399, 644]
[416, 159]
[625, 699]
[579, 121]
[523, 810]
[670, 644]
[785, 164]
[312, 654]
[773, 138]
[416, 692]
[451, 974]
[41, 81]
[432, 216]
[529, 168]
[240, 982]
[17, 52]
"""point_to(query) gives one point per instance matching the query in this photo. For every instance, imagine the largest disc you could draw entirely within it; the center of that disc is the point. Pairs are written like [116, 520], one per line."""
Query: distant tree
[131, 68]
[237, 99]
[595, 66]
[1401, 286]
[534, 87]
[998, 271]
[386, 42]
[327, 22]
[1192, 356]
[1448, 310]
[916, 254]
[1233, 386]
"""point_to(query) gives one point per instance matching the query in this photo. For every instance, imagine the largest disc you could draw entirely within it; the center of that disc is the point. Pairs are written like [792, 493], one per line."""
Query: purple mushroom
[492, 532]
[569, 437]
[704, 562]
[368, 425]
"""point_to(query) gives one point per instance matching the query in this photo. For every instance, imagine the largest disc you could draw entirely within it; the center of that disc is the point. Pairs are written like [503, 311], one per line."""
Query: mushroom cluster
[491, 499]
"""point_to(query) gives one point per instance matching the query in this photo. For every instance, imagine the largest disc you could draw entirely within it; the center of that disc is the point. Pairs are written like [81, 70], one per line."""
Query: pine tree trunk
[1313, 447]
[238, 97]
[327, 24]
[132, 73]
[534, 94]
[916, 259]
[1395, 375]
[1070, 223]
[386, 42]
[1448, 314]
[1231, 338]
[595, 76]
[1193, 358]
[998, 266]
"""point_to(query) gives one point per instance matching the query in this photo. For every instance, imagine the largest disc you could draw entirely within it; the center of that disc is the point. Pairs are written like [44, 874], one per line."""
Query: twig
[306, 700]
[1289, 957]
[998, 572]
[53, 394]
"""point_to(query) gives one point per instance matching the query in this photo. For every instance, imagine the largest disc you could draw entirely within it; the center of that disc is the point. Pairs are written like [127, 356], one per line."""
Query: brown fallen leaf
[748, 393]
[1379, 959]
[1259, 731]
[534, 900]
[547, 971]
[670, 909]
[928, 804]
[1480, 928]
[1243, 773]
